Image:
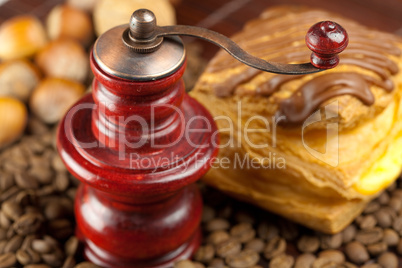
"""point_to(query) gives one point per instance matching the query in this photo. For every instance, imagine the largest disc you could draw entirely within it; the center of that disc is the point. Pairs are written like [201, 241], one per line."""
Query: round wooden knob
[326, 39]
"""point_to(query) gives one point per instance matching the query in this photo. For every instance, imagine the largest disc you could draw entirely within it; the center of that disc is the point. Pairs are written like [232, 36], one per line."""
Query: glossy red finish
[130, 146]
[326, 39]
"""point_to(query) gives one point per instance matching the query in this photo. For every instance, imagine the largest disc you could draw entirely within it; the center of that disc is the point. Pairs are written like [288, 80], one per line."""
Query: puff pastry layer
[317, 163]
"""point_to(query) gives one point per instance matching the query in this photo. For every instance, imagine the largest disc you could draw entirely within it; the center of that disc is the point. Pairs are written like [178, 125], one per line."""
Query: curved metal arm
[325, 39]
[233, 49]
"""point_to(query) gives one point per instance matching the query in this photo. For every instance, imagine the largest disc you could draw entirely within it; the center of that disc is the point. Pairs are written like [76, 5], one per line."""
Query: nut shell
[68, 22]
[53, 97]
[110, 13]
[64, 58]
[85, 5]
[13, 119]
[21, 36]
[18, 78]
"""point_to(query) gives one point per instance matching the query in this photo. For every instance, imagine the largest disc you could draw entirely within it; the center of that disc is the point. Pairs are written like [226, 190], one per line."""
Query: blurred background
[228, 16]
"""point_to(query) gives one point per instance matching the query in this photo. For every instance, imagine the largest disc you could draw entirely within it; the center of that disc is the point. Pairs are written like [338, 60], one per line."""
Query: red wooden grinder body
[137, 145]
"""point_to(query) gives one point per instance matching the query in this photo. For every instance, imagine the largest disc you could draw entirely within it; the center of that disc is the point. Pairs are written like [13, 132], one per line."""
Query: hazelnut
[53, 97]
[64, 58]
[13, 119]
[18, 78]
[21, 36]
[110, 13]
[86, 5]
[68, 22]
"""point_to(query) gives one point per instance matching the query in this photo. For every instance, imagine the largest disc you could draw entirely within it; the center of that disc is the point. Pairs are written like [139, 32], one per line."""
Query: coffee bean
[217, 224]
[3, 233]
[371, 265]
[71, 193]
[368, 222]
[37, 266]
[45, 190]
[25, 198]
[52, 260]
[71, 246]
[14, 165]
[305, 260]
[35, 257]
[331, 241]
[244, 217]
[61, 182]
[10, 233]
[60, 228]
[388, 260]
[28, 223]
[308, 244]
[244, 259]
[397, 224]
[356, 252]
[349, 233]
[395, 203]
[276, 246]
[208, 214]
[217, 263]
[228, 247]
[27, 242]
[281, 261]
[377, 248]
[243, 232]
[5, 222]
[370, 236]
[333, 255]
[54, 210]
[205, 253]
[41, 174]
[41, 246]
[9, 193]
[218, 237]
[391, 237]
[397, 193]
[7, 260]
[324, 263]
[36, 126]
[198, 264]
[11, 209]
[289, 230]
[25, 181]
[383, 198]
[3, 244]
[267, 231]
[182, 264]
[6, 181]
[38, 161]
[399, 247]
[384, 218]
[69, 262]
[256, 244]
[13, 244]
[23, 257]
[372, 207]
[348, 265]
[57, 163]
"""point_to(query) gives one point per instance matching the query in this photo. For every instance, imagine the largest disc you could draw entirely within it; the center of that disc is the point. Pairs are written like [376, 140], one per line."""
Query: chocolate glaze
[368, 49]
[313, 93]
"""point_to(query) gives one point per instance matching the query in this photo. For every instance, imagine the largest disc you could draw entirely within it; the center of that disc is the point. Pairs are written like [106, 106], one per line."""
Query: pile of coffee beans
[239, 235]
[36, 204]
[37, 222]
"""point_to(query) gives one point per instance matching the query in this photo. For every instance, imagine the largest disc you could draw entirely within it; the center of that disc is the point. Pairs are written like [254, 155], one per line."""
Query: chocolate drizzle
[368, 49]
[313, 93]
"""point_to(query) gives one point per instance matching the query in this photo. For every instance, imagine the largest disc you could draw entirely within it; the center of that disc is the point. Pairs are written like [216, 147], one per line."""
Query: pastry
[314, 148]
